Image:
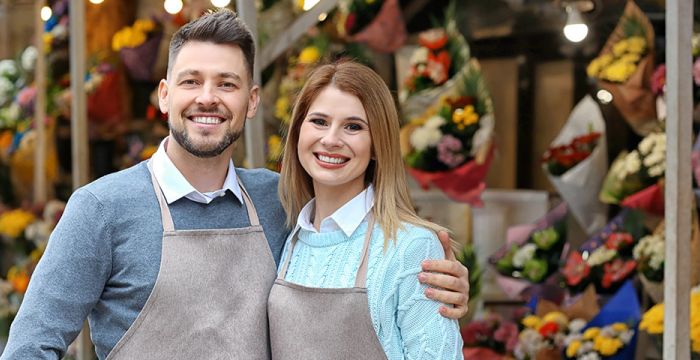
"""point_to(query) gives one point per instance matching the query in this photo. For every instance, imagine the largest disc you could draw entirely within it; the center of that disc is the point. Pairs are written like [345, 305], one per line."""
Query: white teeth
[206, 120]
[332, 160]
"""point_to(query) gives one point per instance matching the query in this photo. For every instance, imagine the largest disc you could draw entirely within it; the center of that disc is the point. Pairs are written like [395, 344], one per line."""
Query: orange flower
[19, 279]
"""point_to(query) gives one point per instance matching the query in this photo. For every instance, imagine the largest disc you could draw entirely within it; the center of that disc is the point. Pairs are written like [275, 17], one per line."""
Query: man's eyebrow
[230, 75]
[190, 72]
[184, 73]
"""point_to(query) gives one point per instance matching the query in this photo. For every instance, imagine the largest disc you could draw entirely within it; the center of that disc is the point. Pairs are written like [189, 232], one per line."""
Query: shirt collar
[347, 218]
[175, 186]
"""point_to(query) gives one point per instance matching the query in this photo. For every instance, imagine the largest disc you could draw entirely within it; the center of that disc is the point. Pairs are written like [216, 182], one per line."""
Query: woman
[347, 285]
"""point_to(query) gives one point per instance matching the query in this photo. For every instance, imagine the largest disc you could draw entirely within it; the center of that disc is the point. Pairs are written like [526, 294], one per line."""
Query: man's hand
[449, 281]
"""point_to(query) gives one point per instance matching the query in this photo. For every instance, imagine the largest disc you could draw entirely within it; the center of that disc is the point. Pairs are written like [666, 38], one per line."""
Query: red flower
[658, 80]
[587, 139]
[619, 240]
[576, 269]
[549, 329]
[507, 333]
[433, 39]
[350, 23]
[475, 332]
[616, 271]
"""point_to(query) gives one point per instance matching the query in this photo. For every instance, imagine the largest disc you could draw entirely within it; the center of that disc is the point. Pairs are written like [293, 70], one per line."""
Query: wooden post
[79, 134]
[678, 182]
[254, 128]
[39, 108]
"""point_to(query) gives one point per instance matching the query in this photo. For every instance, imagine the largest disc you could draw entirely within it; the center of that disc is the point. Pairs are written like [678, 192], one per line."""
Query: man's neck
[204, 174]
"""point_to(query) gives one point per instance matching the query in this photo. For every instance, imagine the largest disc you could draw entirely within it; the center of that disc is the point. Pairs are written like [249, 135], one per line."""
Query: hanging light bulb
[575, 29]
[97, 2]
[45, 13]
[220, 3]
[173, 6]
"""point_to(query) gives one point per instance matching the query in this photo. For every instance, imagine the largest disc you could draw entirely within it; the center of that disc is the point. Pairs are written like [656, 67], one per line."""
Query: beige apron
[322, 323]
[209, 299]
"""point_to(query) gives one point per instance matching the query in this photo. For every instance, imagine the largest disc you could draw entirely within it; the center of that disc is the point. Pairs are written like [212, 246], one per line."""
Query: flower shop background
[504, 121]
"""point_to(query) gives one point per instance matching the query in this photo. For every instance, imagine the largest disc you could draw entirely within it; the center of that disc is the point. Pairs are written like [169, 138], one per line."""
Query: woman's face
[335, 145]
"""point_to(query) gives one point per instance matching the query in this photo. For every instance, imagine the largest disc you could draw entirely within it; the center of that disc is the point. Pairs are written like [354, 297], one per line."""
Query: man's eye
[188, 82]
[229, 85]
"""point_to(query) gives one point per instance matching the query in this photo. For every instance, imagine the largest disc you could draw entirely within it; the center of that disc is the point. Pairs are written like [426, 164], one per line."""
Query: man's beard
[205, 151]
[182, 138]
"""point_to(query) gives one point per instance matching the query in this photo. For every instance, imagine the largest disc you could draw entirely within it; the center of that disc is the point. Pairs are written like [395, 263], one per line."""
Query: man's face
[208, 96]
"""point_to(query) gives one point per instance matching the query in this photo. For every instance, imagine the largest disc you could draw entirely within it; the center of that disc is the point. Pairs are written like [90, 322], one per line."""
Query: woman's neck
[329, 200]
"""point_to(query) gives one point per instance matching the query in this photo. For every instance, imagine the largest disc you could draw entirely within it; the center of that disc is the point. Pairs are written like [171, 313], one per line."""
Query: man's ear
[253, 101]
[163, 96]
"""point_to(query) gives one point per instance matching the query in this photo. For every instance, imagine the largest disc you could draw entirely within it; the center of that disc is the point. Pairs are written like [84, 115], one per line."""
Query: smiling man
[174, 258]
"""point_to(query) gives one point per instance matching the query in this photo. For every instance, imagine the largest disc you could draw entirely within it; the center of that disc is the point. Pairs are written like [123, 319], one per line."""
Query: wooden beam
[299, 27]
[254, 128]
[679, 193]
[79, 134]
[40, 195]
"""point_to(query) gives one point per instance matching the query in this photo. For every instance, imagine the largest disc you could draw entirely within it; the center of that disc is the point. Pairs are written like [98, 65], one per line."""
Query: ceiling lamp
[173, 6]
[220, 3]
[575, 29]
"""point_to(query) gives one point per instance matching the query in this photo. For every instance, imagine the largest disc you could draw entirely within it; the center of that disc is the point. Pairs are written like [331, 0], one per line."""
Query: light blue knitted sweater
[407, 323]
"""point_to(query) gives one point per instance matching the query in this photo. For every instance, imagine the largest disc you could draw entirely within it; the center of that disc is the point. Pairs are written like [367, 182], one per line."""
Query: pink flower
[475, 332]
[658, 79]
[696, 71]
[507, 333]
[450, 151]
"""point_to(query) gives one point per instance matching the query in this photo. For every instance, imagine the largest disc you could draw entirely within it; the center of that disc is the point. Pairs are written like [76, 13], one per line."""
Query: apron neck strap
[360, 278]
[167, 219]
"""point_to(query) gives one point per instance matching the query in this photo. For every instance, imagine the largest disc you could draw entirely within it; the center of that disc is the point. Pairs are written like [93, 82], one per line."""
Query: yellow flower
[591, 333]
[465, 117]
[630, 58]
[557, 317]
[18, 278]
[636, 45]
[309, 55]
[13, 223]
[144, 25]
[35, 255]
[572, 349]
[620, 47]
[531, 321]
[607, 346]
[653, 320]
[48, 39]
[619, 327]
[274, 147]
[148, 151]
[618, 71]
[282, 109]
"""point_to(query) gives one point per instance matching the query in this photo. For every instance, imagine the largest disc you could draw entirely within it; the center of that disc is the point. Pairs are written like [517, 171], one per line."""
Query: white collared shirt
[175, 186]
[347, 218]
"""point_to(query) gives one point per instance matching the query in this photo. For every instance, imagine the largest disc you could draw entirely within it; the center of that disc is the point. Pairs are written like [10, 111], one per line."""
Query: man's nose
[207, 96]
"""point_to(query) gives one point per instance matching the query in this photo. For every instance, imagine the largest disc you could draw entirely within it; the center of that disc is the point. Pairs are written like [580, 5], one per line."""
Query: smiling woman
[354, 284]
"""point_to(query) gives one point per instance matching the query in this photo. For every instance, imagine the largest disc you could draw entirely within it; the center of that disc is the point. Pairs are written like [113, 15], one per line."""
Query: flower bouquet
[489, 338]
[612, 333]
[449, 145]
[624, 68]
[532, 253]
[653, 322]
[605, 259]
[437, 67]
[635, 171]
[576, 163]
[138, 47]
[377, 23]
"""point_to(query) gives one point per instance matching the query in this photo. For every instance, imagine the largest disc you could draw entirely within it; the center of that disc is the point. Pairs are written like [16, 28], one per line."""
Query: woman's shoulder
[416, 240]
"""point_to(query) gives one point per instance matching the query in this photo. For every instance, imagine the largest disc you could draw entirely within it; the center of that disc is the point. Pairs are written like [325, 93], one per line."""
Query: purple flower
[450, 151]
[696, 71]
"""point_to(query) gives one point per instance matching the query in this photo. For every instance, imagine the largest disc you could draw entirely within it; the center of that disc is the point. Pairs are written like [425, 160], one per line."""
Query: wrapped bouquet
[138, 47]
[377, 23]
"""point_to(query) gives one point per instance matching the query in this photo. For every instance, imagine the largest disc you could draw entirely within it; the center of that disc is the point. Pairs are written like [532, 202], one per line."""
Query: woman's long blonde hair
[392, 203]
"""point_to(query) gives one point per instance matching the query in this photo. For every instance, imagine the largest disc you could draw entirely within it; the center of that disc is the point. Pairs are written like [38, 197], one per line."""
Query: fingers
[455, 313]
[447, 282]
[446, 245]
[449, 298]
[450, 267]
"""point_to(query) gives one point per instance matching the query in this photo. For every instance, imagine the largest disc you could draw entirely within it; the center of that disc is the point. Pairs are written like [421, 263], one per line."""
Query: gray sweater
[103, 258]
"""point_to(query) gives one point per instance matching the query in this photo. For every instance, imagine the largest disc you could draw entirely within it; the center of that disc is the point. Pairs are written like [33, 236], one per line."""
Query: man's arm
[66, 284]
[449, 281]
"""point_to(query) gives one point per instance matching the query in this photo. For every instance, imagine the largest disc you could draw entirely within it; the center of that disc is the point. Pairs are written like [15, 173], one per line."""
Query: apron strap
[361, 277]
[166, 218]
[250, 207]
[283, 271]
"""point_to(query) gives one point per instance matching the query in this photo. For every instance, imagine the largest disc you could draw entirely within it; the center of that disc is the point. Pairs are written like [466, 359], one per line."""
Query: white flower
[524, 254]
[654, 158]
[482, 136]
[632, 163]
[29, 56]
[11, 112]
[419, 56]
[8, 68]
[657, 170]
[424, 137]
[577, 325]
[590, 356]
[434, 122]
[600, 256]
[626, 336]
[6, 88]
[59, 31]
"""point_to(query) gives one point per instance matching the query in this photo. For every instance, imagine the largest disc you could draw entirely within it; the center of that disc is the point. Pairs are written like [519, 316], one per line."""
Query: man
[194, 284]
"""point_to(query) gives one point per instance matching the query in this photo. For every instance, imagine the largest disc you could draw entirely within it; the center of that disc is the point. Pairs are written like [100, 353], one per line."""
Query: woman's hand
[448, 280]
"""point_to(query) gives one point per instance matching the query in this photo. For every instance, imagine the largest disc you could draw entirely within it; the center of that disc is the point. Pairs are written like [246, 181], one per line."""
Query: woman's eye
[317, 121]
[353, 127]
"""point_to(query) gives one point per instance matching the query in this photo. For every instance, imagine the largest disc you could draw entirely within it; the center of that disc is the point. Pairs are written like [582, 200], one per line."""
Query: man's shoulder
[258, 179]
[130, 181]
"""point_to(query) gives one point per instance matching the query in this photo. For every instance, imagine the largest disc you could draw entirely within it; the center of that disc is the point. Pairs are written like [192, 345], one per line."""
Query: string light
[173, 6]
[46, 13]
